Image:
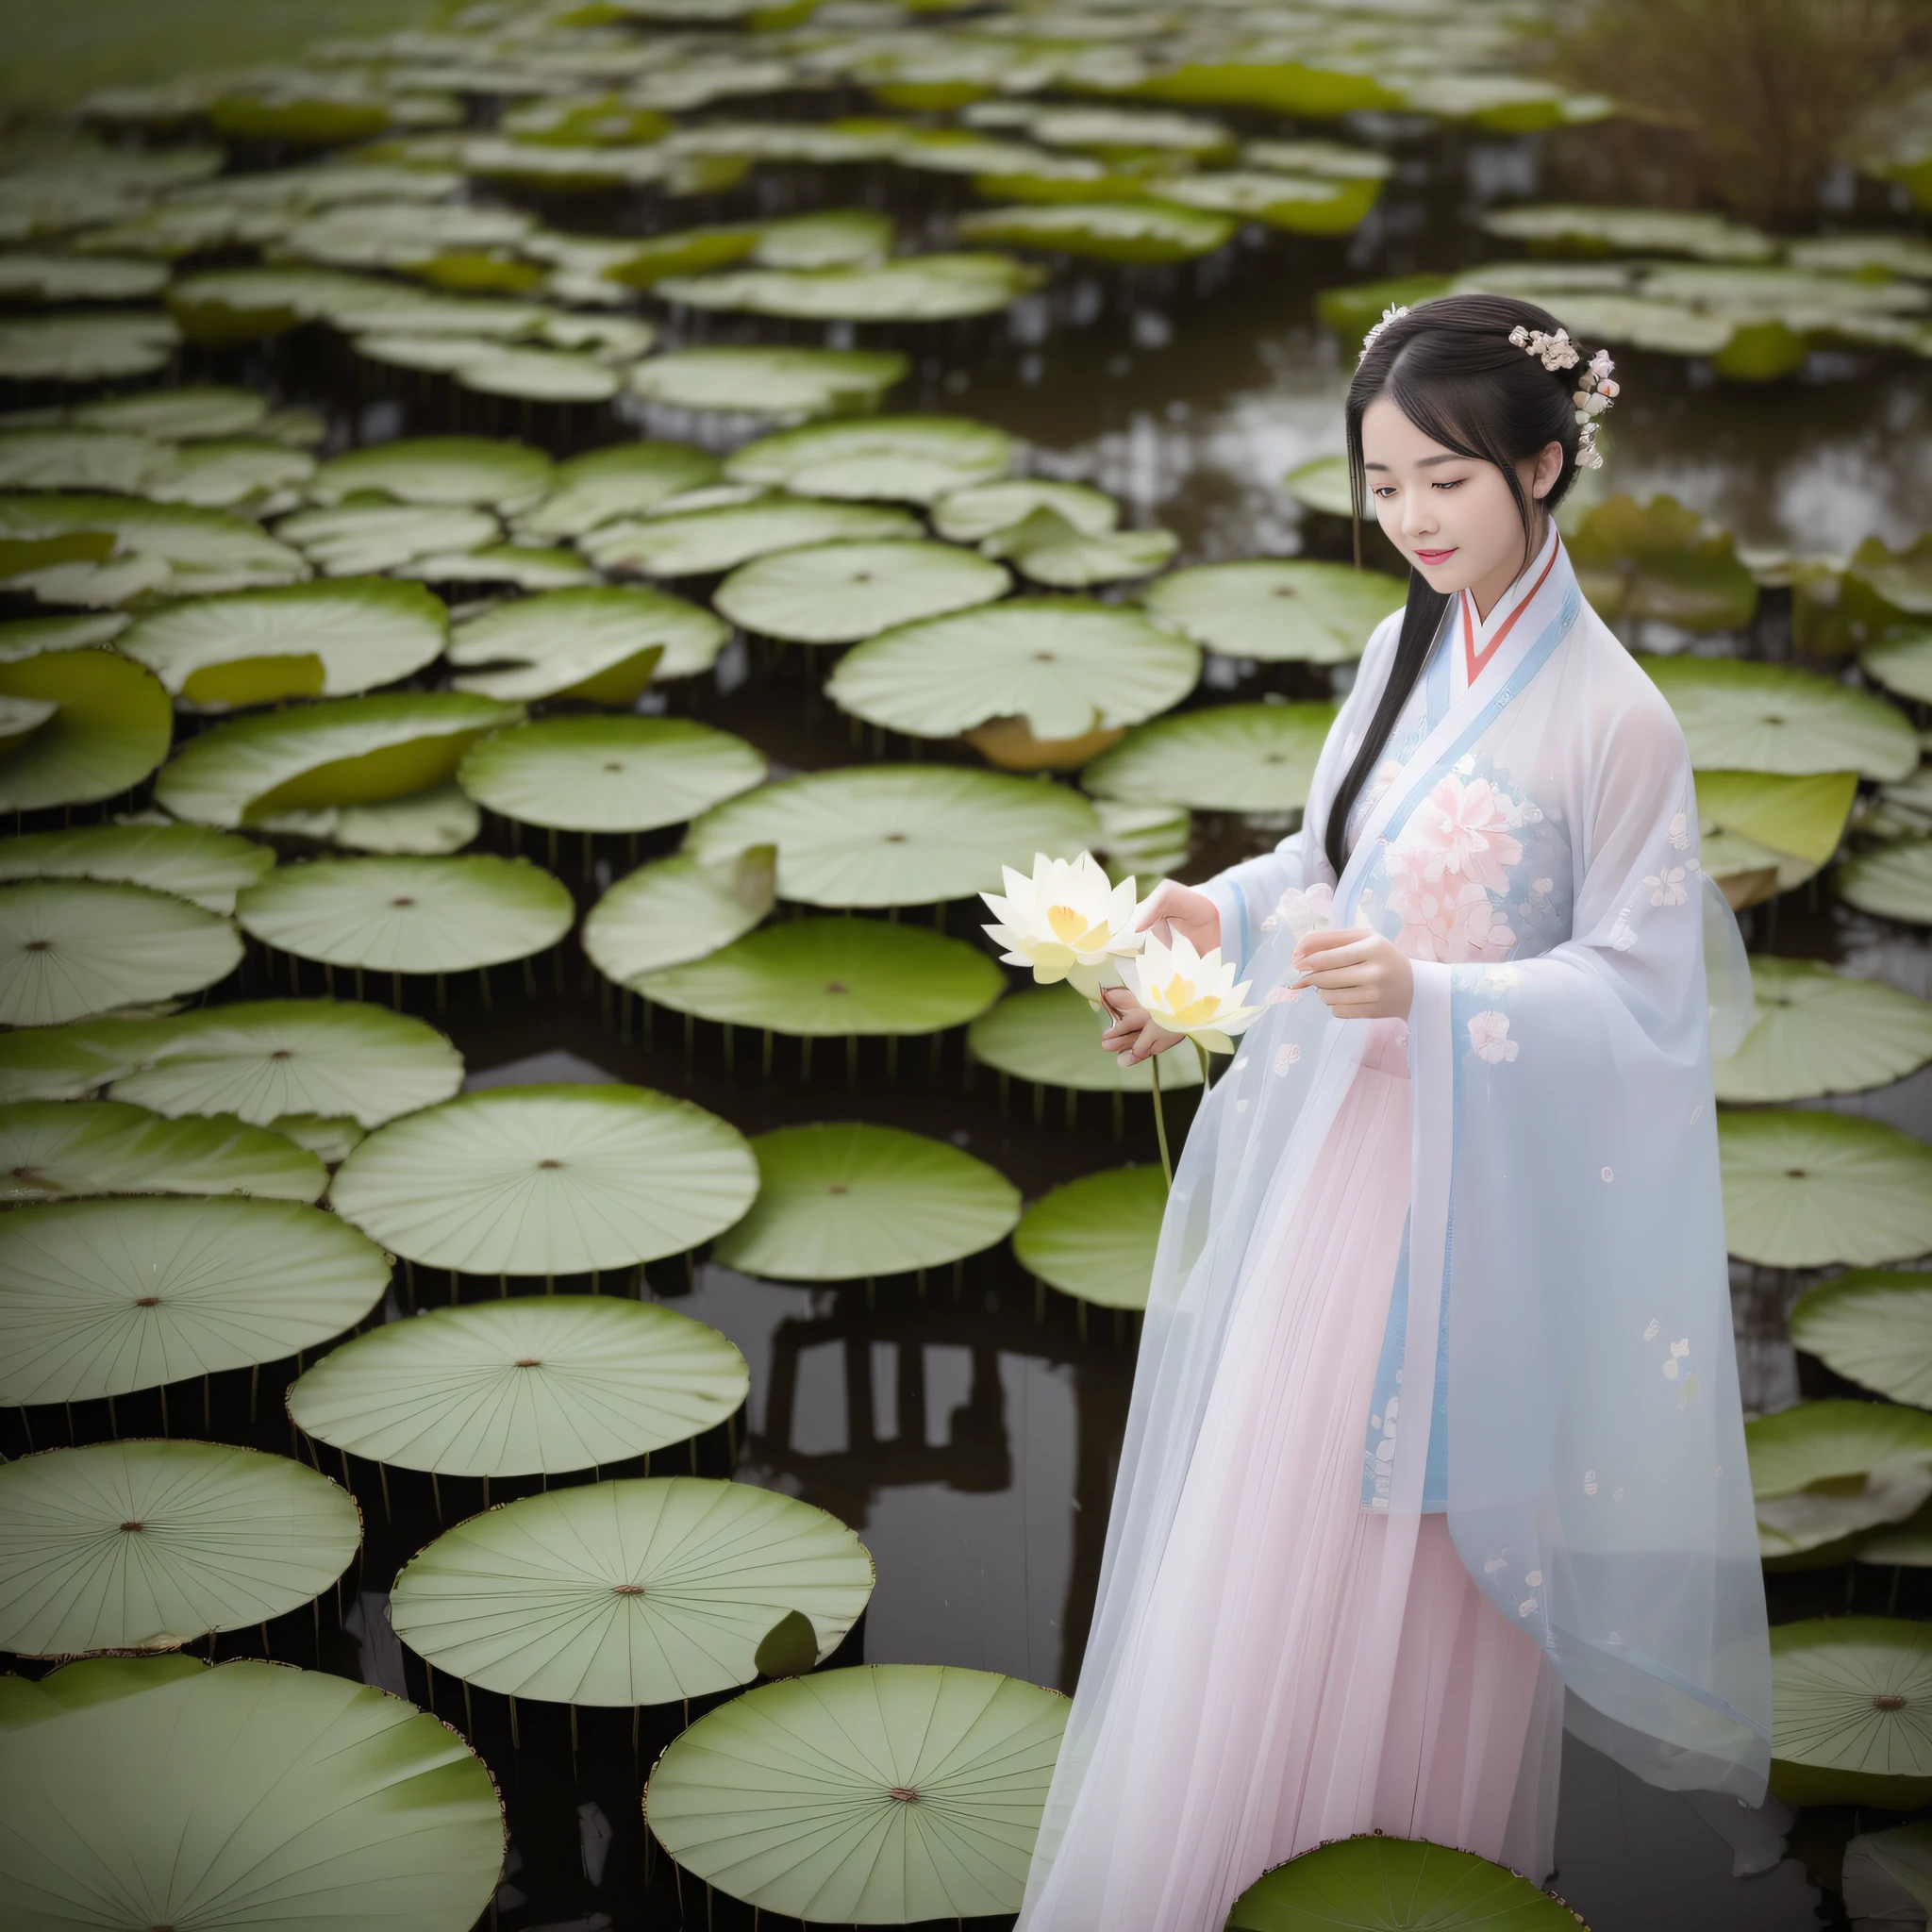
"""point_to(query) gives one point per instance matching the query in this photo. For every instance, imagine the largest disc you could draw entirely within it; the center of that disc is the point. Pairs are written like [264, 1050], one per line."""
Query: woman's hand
[1133, 1035]
[1359, 974]
[1170, 908]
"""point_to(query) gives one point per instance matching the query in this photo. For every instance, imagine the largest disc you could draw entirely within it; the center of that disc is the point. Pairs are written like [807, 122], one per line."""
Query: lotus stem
[1206, 1071]
[1160, 1119]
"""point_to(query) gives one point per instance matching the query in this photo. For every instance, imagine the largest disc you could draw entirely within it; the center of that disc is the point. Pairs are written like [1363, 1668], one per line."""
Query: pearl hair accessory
[1594, 392]
[1394, 313]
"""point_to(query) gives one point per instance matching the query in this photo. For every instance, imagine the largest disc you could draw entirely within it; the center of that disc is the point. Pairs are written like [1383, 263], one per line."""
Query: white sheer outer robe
[1533, 848]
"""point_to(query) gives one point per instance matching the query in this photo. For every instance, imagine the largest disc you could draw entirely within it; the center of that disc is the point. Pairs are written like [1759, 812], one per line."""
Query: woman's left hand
[1359, 975]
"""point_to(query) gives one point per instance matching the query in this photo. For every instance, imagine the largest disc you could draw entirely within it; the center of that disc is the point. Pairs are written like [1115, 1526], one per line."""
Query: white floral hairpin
[1594, 392]
[1394, 313]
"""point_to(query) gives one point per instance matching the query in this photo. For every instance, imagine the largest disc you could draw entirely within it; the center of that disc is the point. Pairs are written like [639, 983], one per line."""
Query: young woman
[1436, 1416]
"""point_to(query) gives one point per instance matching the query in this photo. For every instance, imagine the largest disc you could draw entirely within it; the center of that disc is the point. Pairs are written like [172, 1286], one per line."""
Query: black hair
[1450, 367]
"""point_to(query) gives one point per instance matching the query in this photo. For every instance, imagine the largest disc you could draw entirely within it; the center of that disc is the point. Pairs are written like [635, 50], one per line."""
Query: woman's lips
[1435, 555]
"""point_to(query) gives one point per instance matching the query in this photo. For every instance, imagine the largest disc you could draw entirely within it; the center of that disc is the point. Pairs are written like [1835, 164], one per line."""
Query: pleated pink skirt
[1306, 1670]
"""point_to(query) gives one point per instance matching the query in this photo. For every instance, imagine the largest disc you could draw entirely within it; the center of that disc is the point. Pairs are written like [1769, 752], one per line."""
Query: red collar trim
[1475, 663]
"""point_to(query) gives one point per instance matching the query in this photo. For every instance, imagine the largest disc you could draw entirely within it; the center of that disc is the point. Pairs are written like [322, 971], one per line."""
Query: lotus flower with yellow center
[1067, 922]
[1193, 993]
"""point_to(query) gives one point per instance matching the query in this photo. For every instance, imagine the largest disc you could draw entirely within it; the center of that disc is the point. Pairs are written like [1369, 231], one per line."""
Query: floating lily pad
[1232, 758]
[192, 550]
[52, 1148]
[1805, 1189]
[86, 345]
[627, 481]
[1660, 560]
[249, 473]
[1386, 1884]
[693, 542]
[352, 538]
[1094, 1238]
[1050, 1035]
[890, 1795]
[144, 1545]
[629, 1592]
[1874, 1327]
[841, 1200]
[677, 909]
[253, 647]
[68, 456]
[207, 868]
[548, 1180]
[929, 288]
[191, 414]
[101, 1298]
[408, 915]
[1129, 231]
[1848, 1692]
[1816, 1031]
[892, 458]
[422, 825]
[1301, 203]
[1317, 613]
[813, 977]
[355, 751]
[983, 510]
[70, 947]
[539, 375]
[1824, 1472]
[1066, 666]
[1747, 717]
[442, 469]
[1894, 882]
[1903, 665]
[604, 645]
[896, 834]
[1048, 549]
[111, 726]
[835, 594]
[527, 566]
[609, 774]
[770, 381]
[1322, 485]
[340, 1803]
[68, 1062]
[27, 637]
[1761, 833]
[46, 277]
[1595, 230]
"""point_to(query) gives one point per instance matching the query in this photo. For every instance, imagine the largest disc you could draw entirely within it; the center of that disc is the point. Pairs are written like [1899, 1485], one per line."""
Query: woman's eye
[1455, 483]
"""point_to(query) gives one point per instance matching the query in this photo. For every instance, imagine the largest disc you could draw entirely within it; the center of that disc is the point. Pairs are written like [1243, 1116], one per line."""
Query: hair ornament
[1594, 392]
[1394, 313]
[1556, 353]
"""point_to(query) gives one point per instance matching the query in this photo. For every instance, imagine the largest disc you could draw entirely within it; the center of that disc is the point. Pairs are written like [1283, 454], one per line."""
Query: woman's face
[1452, 516]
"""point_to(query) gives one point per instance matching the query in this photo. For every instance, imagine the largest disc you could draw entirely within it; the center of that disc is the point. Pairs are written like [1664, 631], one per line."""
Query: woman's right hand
[1170, 908]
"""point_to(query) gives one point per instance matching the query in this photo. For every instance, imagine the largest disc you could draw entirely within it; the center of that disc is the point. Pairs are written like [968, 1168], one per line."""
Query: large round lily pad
[811, 977]
[145, 1545]
[1094, 1237]
[1903, 665]
[1761, 833]
[603, 644]
[102, 1297]
[983, 510]
[770, 381]
[696, 542]
[322, 1801]
[609, 774]
[253, 647]
[835, 593]
[1049, 1034]
[889, 459]
[49, 1149]
[1803, 1190]
[1316, 613]
[169, 546]
[82, 345]
[840, 1200]
[1873, 1326]
[548, 1180]
[677, 909]
[629, 1592]
[536, 1383]
[1134, 231]
[1379, 1883]
[1231, 758]
[1815, 1031]
[350, 538]
[471, 470]
[1747, 717]
[896, 835]
[1851, 1696]
[878, 1797]
[70, 947]
[1657, 560]
[191, 862]
[1066, 666]
[628, 480]
[926, 288]
[110, 727]
[1895, 882]
[1823, 1472]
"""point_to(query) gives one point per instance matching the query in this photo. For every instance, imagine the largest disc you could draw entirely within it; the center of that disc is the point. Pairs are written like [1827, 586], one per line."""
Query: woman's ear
[1549, 466]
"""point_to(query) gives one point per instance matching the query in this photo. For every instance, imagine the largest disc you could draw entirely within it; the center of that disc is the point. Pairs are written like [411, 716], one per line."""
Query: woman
[1435, 1414]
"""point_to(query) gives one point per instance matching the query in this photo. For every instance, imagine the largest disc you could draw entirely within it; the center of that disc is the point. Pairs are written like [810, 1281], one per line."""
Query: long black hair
[1450, 367]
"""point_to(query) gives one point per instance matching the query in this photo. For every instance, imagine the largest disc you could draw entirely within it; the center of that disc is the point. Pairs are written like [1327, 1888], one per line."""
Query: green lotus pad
[770, 381]
[602, 644]
[349, 539]
[423, 825]
[71, 947]
[110, 726]
[1903, 665]
[1316, 613]
[696, 542]
[253, 647]
[629, 1592]
[536, 1383]
[194, 413]
[889, 459]
[548, 1180]
[1391, 1884]
[337, 1803]
[813, 977]
[206, 868]
[98, 1298]
[1230, 757]
[928, 288]
[835, 593]
[1848, 1695]
[146, 1546]
[1748, 717]
[443, 470]
[1660, 561]
[1322, 484]
[1066, 666]
[1134, 231]
[896, 835]
[982, 510]
[80, 345]
[1046, 548]
[1094, 1237]
[883, 1796]
[1803, 1190]
[352, 751]
[190, 551]
[1873, 1326]
[1895, 882]
[409, 915]
[51, 1148]
[629, 480]
[1824, 1471]
[1815, 1031]
[676, 909]
[1049, 1034]
[1761, 834]
[840, 1200]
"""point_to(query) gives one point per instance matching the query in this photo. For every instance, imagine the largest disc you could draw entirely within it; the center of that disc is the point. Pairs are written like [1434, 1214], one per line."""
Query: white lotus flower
[1067, 922]
[1186, 991]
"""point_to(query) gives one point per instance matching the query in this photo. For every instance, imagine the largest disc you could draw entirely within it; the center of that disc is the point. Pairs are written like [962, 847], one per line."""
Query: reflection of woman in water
[1437, 1411]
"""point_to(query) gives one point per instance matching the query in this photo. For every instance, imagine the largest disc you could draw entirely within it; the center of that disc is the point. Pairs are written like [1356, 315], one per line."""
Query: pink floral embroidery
[1451, 922]
[1464, 829]
[1488, 1036]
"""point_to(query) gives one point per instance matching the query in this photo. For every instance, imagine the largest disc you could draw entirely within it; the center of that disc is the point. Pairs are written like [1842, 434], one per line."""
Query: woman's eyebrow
[1447, 457]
